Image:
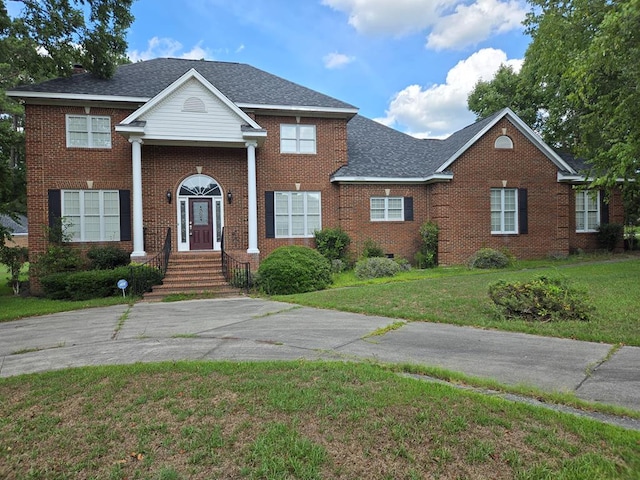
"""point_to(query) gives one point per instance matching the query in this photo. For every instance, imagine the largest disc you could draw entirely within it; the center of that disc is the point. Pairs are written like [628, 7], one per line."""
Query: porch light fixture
[229, 196]
[168, 196]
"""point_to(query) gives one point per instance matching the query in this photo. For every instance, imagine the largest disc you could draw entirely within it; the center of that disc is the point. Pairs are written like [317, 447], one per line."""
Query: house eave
[48, 97]
[436, 178]
[300, 110]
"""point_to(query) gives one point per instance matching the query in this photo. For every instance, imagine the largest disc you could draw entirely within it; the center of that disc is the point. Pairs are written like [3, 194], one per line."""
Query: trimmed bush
[57, 258]
[107, 257]
[610, 235]
[376, 267]
[371, 249]
[542, 299]
[332, 243]
[488, 258]
[294, 269]
[403, 263]
[99, 283]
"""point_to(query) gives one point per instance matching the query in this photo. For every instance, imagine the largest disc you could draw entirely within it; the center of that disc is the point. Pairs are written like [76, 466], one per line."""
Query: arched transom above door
[199, 186]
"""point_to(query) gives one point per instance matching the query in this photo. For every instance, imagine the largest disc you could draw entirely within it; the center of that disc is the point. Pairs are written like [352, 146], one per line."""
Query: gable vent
[503, 142]
[194, 105]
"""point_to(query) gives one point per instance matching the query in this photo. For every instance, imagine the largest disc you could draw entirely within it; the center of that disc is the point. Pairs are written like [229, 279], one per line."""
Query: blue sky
[407, 63]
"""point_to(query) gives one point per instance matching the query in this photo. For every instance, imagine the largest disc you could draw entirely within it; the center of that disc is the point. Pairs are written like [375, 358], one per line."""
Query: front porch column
[138, 231]
[252, 197]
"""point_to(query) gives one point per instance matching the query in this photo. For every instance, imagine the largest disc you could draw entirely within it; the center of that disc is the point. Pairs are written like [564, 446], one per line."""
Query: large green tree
[582, 72]
[45, 40]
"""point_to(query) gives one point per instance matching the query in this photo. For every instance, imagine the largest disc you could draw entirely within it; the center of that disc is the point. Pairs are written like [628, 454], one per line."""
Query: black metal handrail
[236, 273]
[141, 280]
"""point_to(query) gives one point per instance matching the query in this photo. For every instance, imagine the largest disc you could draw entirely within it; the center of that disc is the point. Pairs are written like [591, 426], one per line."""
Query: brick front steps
[193, 274]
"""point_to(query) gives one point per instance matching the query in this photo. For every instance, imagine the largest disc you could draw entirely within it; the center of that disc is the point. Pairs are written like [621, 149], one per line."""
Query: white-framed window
[297, 138]
[297, 214]
[91, 215]
[88, 131]
[587, 210]
[386, 209]
[504, 210]
[503, 143]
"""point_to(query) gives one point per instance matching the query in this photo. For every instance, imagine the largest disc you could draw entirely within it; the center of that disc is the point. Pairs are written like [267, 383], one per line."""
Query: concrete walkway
[254, 329]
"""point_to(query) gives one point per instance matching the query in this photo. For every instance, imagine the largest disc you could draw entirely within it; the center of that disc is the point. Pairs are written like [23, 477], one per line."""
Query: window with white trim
[297, 214]
[504, 210]
[587, 210]
[91, 215]
[386, 209]
[297, 138]
[88, 131]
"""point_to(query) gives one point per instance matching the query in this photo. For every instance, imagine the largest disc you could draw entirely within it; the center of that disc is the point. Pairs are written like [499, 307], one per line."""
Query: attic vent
[503, 142]
[194, 104]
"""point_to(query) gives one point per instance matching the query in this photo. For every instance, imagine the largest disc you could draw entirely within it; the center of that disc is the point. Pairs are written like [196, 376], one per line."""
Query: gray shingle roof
[17, 227]
[241, 83]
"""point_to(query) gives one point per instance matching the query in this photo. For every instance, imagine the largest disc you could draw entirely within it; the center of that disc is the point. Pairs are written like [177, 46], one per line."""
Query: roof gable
[461, 141]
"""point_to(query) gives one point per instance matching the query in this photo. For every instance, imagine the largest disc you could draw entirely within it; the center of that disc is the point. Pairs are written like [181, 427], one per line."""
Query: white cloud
[450, 23]
[336, 60]
[471, 24]
[439, 110]
[168, 47]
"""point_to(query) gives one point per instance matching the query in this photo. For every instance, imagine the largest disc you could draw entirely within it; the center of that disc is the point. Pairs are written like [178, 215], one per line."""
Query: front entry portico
[200, 214]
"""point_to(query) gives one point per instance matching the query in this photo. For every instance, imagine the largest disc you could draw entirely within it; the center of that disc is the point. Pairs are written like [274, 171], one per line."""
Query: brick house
[199, 146]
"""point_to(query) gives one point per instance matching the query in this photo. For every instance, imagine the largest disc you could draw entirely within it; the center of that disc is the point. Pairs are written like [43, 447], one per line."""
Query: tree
[582, 71]
[44, 41]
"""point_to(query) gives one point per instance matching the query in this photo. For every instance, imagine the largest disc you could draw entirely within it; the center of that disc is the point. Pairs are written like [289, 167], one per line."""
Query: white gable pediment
[191, 110]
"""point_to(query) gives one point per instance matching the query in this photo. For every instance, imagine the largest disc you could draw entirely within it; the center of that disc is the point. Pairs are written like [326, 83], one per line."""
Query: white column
[138, 231]
[253, 198]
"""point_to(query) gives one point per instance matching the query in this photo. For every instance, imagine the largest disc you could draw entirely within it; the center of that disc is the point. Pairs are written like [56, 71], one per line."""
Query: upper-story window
[88, 131]
[587, 210]
[297, 138]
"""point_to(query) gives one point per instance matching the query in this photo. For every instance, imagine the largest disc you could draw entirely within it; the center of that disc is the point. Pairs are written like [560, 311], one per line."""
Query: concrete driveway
[254, 329]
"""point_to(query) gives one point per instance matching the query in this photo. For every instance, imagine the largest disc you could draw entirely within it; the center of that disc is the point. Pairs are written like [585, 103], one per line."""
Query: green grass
[459, 296]
[322, 420]
[12, 307]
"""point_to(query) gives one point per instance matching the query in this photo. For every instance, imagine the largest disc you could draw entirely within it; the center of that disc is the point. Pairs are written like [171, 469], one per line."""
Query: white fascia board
[524, 129]
[193, 73]
[299, 108]
[441, 177]
[563, 178]
[76, 96]
[130, 129]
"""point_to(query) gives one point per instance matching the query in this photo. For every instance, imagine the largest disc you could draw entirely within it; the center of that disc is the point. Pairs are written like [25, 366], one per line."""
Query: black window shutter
[604, 209]
[55, 209]
[408, 209]
[523, 221]
[125, 215]
[269, 214]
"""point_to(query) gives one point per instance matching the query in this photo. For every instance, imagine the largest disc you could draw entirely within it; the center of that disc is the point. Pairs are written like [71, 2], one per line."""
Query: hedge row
[99, 283]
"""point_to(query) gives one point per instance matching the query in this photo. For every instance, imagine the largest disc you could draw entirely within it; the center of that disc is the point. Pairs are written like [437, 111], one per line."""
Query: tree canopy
[45, 40]
[578, 85]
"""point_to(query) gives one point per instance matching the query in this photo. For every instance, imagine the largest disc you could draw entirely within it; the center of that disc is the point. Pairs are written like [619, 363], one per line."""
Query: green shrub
[57, 258]
[542, 299]
[332, 243]
[375, 267]
[403, 263]
[14, 258]
[99, 283]
[427, 256]
[371, 249]
[338, 266]
[107, 257]
[610, 235]
[488, 258]
[54, 286]
[294, 269]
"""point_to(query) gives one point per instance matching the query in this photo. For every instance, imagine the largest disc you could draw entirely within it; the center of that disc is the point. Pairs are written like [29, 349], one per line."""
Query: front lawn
[289, 420]
[459, 296]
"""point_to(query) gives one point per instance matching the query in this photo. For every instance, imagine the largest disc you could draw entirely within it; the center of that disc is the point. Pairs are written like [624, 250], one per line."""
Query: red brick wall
[402, 239]
[462, 207]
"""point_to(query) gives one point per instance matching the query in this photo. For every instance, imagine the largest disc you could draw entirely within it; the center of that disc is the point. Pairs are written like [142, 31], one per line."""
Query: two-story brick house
[201, 145]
